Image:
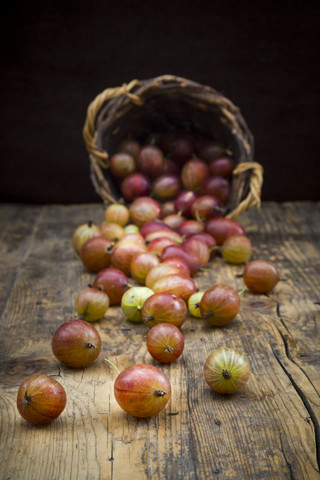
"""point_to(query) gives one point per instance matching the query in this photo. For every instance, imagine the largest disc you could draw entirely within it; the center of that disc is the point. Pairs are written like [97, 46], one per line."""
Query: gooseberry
[122, 164]
[132, 302]
[178, 284]
[123, 252]
[141, 264]
[194, 304]
[165, 342]
[76, 343]
[141, 390]
[117, 213]
[144, 209]
[260, 276]
[95, 253]
[219, 187]
[135, 185]
[184, 201]
[164, 307]
[131, 228]
[113, 282]
[236, 249]
[112, 231]
[41, 399]
[226, 370]
[91, 304]
[219, 305]
[150, 161]
[193, 174]
[222, 167]
[131, 146]
[82, 233]
[222, 228]
[166, 187]
[211, 149]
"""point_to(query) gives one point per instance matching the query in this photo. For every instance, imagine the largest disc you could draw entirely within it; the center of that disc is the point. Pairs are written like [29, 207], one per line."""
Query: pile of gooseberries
[145, 254]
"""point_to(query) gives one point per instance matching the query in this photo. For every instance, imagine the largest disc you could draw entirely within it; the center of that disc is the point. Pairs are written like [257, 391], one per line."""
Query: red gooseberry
[193, 174]
[144, 209]
[41, 399]
[113, 282]
[141, 264]
[141, 390]
[76, 343]
[164, 307]
[178, 284]
[150, 161]
[165, 342]
[122, 164]
[222, 228]
[95, 253]
[219, 305]
[135, 185]
[260, 276]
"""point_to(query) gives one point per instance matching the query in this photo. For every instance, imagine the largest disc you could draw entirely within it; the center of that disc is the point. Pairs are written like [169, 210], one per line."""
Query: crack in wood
[287, 350]
[288, 464]
[59, 372]
[307, 406]
[280, 317]
[111, 459]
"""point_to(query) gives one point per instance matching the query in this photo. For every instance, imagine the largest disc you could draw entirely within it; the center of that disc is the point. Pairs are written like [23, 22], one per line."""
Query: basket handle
[89, 134]
[254, 196]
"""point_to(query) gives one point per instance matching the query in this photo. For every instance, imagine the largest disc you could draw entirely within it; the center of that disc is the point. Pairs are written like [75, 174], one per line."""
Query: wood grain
[269, 430]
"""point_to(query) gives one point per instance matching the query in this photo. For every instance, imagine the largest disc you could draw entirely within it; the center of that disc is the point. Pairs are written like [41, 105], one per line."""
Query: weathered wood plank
[269, 430]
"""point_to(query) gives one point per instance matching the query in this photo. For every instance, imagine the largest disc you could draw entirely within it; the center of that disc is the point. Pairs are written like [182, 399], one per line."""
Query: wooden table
[269, 430]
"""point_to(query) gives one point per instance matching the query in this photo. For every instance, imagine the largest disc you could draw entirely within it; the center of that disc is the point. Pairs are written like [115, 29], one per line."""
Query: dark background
[58, 55]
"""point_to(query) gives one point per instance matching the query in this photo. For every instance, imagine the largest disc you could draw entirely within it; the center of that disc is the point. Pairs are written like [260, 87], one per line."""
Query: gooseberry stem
[243, 289]
[226, 374]
[160, 393]
[113, 365]
[26, 399]
[168, 349]
[198, 218]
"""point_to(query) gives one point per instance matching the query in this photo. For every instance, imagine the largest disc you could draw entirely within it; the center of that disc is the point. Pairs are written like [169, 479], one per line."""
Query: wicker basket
[139, 108]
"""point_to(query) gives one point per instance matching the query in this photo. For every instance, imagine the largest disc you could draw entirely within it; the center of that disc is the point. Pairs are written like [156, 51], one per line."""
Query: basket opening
[169, 111]
[162, 111]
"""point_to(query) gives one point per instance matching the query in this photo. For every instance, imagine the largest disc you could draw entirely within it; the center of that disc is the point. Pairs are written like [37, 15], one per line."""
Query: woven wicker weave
[141, 108]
